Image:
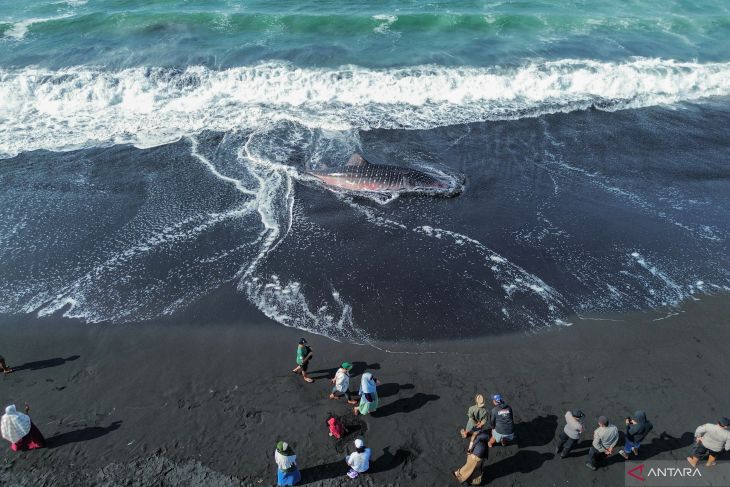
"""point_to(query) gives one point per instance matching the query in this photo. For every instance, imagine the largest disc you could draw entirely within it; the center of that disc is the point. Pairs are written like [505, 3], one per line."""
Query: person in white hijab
[368, 394]
[19, 430]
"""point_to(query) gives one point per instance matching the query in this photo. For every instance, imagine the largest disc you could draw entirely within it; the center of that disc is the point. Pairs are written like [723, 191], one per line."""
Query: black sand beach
[202, 399]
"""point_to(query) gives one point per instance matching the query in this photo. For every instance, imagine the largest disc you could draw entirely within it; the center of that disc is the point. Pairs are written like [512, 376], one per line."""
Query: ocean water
[154, 152]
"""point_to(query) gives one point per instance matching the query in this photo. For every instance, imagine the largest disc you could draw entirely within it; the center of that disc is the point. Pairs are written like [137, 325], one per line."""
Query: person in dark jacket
[636, 430]
[502, 422]
[476, 454]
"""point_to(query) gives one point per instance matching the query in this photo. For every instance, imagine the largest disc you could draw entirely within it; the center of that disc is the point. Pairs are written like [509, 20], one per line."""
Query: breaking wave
[84, 107]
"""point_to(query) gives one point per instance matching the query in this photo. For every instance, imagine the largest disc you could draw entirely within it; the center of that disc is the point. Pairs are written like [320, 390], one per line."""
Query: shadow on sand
[386, 461]
[357, 369]
[391, 389]
[80, 435]
[405, 405]
[523, 461]
[537, 432]
[44, 364]
[324, 472]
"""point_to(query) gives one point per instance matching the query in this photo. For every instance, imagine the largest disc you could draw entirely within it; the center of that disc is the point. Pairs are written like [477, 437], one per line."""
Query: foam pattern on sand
[121, 235]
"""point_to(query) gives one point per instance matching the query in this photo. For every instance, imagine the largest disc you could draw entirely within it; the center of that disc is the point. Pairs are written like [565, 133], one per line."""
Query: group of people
[486, 428]
[358, 461]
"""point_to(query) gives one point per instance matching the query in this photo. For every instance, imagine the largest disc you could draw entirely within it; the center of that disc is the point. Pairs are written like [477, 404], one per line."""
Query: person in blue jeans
[637, 428]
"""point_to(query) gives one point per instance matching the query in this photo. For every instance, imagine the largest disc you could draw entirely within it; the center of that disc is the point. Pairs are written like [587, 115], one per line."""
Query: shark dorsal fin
[357, 160]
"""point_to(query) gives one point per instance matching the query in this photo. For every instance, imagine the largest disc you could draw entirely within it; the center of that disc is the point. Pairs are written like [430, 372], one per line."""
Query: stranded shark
[360, 175]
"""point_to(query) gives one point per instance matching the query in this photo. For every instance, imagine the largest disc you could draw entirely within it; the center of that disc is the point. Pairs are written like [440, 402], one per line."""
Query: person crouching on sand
[636, 430]
[502, 422]
[605, 438]
[342, 383]
[570, 435]
[476, 455]
[4, 367]
[286, 465]
[477, 417]
[368, 394]
[359, 460]
[710, 439]
[304, 355]
[20, 431]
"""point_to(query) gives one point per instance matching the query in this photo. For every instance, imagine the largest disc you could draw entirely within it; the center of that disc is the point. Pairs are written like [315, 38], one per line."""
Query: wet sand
[202, 398]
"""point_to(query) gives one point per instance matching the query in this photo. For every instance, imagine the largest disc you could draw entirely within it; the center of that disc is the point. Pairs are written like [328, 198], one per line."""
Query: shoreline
[163, 403]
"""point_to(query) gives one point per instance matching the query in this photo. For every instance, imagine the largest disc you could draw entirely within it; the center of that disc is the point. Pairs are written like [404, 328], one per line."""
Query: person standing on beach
[287, 472]
[359, 460]
[711, 440]
[636, 430]
[304, 355]
[570, 435]
[502, 422]
[20, 431]
[476, 454]
[4, 367]
[368, 395]
[341, 383]
[605, 438]
[477, 417]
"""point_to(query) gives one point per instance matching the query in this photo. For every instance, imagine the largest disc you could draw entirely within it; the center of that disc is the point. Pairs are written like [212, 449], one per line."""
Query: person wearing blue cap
[304, 355]
[502, 422]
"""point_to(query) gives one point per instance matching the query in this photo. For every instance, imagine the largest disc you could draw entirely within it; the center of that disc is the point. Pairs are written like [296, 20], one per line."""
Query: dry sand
[203, 400]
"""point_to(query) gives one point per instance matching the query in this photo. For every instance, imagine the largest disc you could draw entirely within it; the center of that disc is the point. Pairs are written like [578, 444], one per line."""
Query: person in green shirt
[477, 417]
[304, 355]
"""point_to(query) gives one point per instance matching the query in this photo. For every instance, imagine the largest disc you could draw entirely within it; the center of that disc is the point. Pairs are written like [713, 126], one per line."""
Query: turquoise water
[152, 152]
[221, 34]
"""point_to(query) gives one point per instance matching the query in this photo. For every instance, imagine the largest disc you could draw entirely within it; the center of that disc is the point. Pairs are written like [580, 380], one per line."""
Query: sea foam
[84, 106]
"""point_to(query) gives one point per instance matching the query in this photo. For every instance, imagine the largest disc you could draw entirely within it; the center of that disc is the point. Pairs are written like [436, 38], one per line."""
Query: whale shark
[360, 175]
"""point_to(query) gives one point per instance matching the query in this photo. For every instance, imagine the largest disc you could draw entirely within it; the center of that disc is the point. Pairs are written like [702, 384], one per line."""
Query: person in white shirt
[342, 383]
[359, 460]
[710, 441]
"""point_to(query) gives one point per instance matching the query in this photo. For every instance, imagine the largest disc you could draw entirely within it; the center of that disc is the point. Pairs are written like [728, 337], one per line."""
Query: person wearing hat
[342, 383]
[711, 439]
[502, 422]
[286, 465]
[477, 416]
[304, 355]
[636, 430]
[359, 460]
[605, 438]
[570, 435]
